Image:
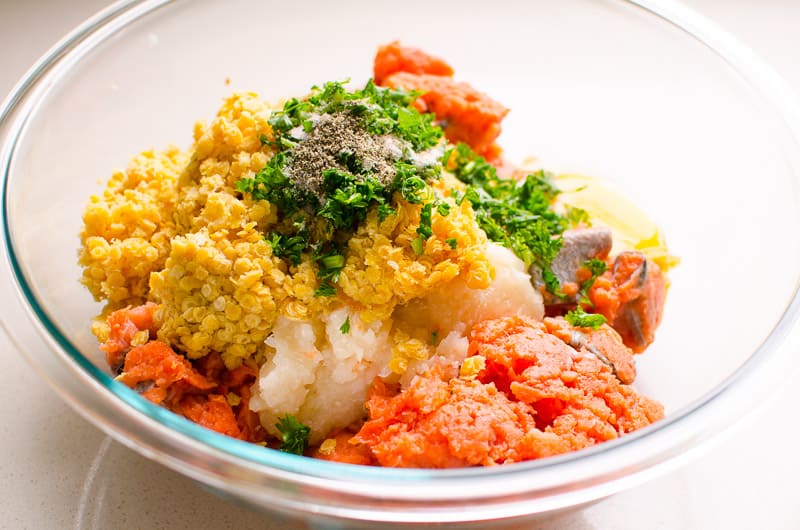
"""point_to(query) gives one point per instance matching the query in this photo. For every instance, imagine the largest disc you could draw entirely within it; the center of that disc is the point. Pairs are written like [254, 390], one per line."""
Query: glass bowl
[645, 95]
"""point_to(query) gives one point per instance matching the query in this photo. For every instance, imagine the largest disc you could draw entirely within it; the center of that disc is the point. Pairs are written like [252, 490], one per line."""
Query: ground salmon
[604, 343]
[438, 423]
[536, 396]
[238, 382]
[212, 411]
[201, 391]
[123, 325]
[466, 115]
[394, 57]
[248, 421]
[344, 448]
[160, 373]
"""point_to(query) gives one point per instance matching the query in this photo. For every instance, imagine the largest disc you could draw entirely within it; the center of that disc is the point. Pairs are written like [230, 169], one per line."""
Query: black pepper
[338, 141]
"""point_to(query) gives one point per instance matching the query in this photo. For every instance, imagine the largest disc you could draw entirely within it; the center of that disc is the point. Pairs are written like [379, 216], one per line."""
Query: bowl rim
[352, 491]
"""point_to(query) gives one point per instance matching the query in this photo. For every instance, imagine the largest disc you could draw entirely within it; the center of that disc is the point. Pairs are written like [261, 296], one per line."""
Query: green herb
[453, 242]
[290, 247]
[349, 198]
[425, 228]
[411, 181]
[516, 214]
[416, 245]
[435, 337]
[280, 122]
[468, 167]
[272, 184]
[294, 435]
[425, 217]
[596, 268]
[581, 319]
[325, 289]
[345, 327]
[384, 211]
[578, 216]
[417, 128]
[330, 265]
[383, 111]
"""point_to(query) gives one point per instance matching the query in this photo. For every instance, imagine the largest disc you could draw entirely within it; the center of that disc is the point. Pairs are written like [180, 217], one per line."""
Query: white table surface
[57, 471]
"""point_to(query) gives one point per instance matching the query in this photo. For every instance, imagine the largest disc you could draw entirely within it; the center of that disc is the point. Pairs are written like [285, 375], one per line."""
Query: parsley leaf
[416, 245]
[417, 128]
[596, 268]
[272, 184]
[325, 289]
[578, 216]
[330, 265]
[425, 217]
[349, 198]
[290, 247]
[453, 242]
[581, 319]
[345, 327]
[294, 435]
[384, 211]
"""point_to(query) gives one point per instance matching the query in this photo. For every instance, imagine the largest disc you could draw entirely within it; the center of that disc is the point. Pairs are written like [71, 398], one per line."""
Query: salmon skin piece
[579, 245]
[631, 296]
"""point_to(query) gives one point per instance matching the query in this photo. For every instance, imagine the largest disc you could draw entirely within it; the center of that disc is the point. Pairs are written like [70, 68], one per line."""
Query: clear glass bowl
[669, 109]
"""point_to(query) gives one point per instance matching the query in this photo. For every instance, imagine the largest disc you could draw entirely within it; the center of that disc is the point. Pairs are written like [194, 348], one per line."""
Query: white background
[57, 471]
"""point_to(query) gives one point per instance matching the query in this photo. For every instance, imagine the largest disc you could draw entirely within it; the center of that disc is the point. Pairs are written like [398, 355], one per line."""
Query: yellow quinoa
[173, 230]
[127, 230]
[328, 446]
[472, 366]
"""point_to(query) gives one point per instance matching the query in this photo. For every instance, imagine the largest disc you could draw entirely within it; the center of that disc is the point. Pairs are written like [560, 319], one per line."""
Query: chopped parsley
[313, 176]
[272, 184]
[417, 245]
[330, 265]
[425, 217]
[290, 247]
[517, 214]
[578, 216]
[325, 289]
[294, 435]
[349, 198]
[581, 319]
[345, 327]
[382, 110]
[453, 242]
[596, 268]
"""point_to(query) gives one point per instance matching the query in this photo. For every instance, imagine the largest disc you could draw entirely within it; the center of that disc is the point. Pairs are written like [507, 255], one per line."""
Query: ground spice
[333, 138]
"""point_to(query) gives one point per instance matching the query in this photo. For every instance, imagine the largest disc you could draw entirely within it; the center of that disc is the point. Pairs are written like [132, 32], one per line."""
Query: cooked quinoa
[172, 229]
[128, 229]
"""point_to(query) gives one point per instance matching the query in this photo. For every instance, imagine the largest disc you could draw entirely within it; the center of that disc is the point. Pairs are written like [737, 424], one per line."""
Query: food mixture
[359, 275]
